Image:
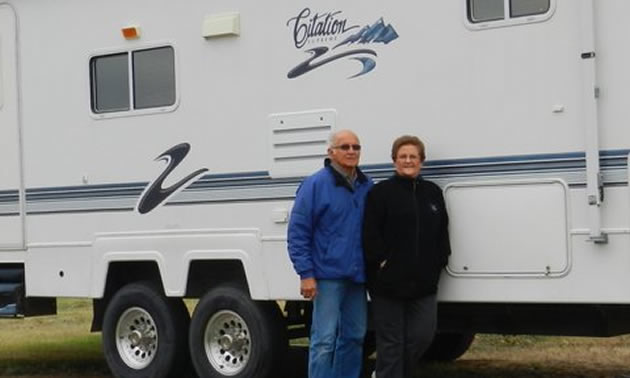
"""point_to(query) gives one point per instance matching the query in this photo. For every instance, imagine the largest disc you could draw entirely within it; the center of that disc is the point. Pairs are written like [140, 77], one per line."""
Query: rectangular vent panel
[299, 141]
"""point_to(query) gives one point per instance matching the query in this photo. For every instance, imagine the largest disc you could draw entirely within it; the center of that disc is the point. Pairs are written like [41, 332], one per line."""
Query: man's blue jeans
[338, 329]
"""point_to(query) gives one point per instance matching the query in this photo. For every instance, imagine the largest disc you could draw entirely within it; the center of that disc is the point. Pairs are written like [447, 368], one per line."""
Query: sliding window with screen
[132, 82]
[483, 14]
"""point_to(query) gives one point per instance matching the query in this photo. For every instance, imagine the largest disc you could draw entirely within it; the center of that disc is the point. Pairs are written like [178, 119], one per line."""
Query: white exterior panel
[493, 104]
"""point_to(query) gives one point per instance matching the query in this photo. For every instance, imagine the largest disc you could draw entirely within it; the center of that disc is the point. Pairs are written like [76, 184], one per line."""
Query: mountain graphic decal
[376, 33]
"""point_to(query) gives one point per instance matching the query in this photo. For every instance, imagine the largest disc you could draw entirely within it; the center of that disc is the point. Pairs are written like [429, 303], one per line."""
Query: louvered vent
[299, 141]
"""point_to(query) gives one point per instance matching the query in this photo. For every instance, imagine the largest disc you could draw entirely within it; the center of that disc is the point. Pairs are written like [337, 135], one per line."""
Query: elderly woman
[406, 245]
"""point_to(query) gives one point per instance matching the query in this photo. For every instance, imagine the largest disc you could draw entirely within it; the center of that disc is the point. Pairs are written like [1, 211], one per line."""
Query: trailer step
[13, 299]
[9, 310]
[11, 274]
[11, 290]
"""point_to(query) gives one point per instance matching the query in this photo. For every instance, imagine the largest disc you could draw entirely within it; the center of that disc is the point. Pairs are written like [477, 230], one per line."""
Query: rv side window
[153, 78]
[110, 83]
[130, 81]
[521, 8]
[480, 11]
[486, 10]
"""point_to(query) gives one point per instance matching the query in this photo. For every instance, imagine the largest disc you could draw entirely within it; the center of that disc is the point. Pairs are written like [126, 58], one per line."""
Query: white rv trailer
[150, 151]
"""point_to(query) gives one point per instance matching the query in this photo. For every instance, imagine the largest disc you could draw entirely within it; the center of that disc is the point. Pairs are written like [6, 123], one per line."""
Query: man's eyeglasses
[347, 147]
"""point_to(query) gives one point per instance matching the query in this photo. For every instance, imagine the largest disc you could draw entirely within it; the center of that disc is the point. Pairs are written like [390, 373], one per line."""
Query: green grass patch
[60, 344]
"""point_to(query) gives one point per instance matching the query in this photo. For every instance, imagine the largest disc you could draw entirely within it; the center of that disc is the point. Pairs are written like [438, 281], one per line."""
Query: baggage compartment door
[509, 228]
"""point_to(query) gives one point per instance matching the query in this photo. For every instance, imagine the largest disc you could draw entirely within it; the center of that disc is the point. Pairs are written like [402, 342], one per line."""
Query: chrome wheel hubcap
[227, 342]
[136, 338]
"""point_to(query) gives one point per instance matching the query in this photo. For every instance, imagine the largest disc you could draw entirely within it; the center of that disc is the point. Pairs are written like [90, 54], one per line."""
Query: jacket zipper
[415, 210]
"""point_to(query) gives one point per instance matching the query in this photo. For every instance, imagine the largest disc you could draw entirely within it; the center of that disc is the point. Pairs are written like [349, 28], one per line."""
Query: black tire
[448, 346]
[232, 335]
[145, 333]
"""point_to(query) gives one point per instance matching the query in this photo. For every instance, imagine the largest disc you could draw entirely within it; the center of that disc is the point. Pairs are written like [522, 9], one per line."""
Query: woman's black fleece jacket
[406, 229]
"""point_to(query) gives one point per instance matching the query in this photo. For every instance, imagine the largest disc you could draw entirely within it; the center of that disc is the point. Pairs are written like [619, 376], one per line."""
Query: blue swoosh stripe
[436, 169]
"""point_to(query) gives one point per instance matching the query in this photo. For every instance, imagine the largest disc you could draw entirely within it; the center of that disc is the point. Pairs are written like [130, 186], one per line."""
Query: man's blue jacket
[324, 236]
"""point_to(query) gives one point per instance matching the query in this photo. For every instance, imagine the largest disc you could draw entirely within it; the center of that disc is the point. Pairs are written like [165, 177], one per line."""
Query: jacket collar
[406, 181]
[339, 179]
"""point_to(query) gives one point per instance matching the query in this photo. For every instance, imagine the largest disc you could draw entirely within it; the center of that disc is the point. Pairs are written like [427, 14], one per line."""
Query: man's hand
[308, 288]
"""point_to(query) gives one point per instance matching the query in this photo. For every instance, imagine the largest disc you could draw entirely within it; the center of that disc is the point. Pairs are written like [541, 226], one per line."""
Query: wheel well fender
[118, 275]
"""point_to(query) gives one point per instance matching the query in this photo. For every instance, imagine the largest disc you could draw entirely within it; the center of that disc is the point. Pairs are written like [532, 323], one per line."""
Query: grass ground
[61, 346]
[540, 356]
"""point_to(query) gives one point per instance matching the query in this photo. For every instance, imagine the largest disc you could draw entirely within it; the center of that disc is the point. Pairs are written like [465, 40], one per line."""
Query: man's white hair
[334, 135]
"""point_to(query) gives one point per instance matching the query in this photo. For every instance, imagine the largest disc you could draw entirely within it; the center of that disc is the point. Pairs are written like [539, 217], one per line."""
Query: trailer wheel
[232, 335]
[448, 346]
[145, 333]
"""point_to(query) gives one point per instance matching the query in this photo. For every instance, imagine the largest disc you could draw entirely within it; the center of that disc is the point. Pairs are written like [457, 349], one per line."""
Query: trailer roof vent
[299, 141]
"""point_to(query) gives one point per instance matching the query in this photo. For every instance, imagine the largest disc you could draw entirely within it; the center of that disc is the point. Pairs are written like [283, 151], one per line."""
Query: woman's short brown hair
[408, 139]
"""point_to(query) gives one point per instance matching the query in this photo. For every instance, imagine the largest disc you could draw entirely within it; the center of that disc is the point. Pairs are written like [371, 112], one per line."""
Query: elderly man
[324, 241]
